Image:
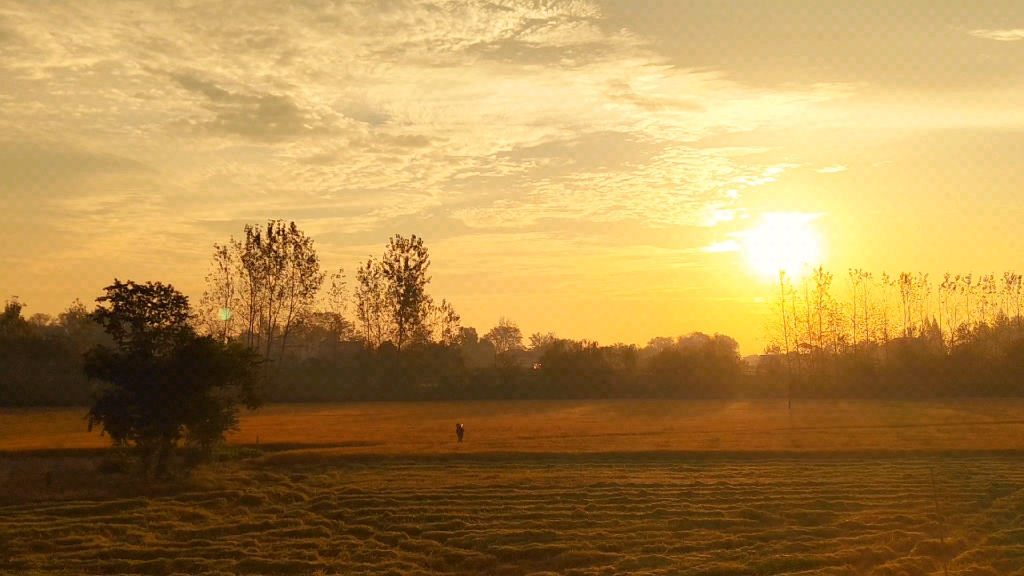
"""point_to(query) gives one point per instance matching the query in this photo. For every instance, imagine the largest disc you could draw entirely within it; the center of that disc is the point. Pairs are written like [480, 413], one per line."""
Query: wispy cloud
[832, 169]
[1000, 35]
[390, 111]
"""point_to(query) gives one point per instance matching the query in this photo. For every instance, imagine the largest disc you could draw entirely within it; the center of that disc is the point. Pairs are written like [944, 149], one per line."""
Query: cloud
[354, 118]
[1000, 35]
[832, 169]
[252, 115]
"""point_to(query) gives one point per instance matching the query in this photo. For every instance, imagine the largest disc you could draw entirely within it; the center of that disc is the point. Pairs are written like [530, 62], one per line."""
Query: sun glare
[783, 242]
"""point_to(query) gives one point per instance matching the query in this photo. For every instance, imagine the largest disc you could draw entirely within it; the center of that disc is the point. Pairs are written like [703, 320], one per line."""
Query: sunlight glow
[783, 242]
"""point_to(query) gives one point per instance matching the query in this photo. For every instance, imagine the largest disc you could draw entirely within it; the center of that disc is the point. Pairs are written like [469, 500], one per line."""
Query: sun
[782, 243]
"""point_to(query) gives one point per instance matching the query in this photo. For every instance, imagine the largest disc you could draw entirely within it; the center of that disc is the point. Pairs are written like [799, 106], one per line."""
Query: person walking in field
[460, 430]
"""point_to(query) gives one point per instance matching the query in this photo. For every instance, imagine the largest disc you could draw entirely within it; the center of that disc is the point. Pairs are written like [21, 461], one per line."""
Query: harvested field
[584, 427]
[807, 515]
[538, 487]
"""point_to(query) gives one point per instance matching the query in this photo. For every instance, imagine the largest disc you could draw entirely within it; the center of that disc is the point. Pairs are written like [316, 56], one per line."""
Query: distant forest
[389, 339]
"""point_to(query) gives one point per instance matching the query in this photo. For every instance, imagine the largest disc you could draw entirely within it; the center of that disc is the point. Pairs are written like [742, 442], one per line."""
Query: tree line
[390, 338]
[903, 336]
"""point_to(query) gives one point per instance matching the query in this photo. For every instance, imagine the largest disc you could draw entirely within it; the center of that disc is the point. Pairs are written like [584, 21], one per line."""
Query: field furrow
[420, 516]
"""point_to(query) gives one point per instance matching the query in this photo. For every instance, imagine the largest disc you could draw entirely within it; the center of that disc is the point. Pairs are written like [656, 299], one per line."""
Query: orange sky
[591, 168]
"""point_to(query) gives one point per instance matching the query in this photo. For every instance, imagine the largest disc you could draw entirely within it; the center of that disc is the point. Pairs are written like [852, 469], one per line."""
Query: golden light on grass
[587, 487]
[302, 432]
[783, 242]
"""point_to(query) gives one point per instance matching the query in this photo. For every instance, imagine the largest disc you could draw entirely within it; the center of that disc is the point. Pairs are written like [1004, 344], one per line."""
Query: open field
[585, 427]
[754, 515]
[538, 487]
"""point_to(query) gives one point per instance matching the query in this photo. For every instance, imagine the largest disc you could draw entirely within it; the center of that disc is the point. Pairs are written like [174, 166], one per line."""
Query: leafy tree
[269, 282]
[301, 280]
[11, 322]
[164, 383]
[468, 336]
[507, 339]
[540, 340]
[404, 271]
[149, 318]
[506, 336]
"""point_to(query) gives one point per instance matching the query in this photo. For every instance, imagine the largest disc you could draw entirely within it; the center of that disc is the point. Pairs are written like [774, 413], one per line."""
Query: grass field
[556, 488]
[584, 427]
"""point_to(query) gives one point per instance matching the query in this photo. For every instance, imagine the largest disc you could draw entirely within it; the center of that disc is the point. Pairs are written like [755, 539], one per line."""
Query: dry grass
[538, 487]
[757, 515]
[586, 427]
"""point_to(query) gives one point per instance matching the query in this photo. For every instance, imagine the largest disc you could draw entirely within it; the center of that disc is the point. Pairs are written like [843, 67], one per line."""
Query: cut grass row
[415, 516]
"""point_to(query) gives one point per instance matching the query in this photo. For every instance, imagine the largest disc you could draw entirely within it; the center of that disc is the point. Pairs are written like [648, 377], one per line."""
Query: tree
[337, 294]
[907, 298]
[301, 280]
[11, 322]
[371, 302]
[781, 325]
[540, 340]
[272, 277]
[164, 383]
[148, 318]
[217, 307]
[825, 312]
[506, 336]
[404, 271]
[333, 321]
[1014, 296]
[886, 287]
[444, 323]
[468, 336]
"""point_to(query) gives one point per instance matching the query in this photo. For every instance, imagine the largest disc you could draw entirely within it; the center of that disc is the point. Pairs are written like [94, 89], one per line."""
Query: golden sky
[593, 168]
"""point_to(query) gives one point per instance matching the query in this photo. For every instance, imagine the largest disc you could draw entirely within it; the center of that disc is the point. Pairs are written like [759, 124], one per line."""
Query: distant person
[460, 430]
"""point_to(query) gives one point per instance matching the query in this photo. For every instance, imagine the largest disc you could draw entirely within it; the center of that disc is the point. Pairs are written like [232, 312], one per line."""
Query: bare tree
[948, 307]
[922, 298]
[1014, 299]
[334, 319]
[825, 311]
[337, 294]
[906, 284]
[855, 280]
[371, 302]
[444, 324]
[967, 289]
[987, 295]
[782, 325]
[218, 304]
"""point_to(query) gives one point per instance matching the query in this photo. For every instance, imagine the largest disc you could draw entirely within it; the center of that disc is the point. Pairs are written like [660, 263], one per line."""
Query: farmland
[583, 427]
[567, 488]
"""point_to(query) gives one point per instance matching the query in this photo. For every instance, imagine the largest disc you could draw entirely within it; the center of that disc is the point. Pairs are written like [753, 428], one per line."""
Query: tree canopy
[164, 384]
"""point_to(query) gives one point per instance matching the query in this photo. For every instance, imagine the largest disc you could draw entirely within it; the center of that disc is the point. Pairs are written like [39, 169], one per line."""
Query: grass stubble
[354, 507]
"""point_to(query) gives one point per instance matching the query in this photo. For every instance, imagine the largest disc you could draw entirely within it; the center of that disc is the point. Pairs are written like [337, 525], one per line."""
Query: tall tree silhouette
[164, 383]
[404, 270]
[506, 337]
